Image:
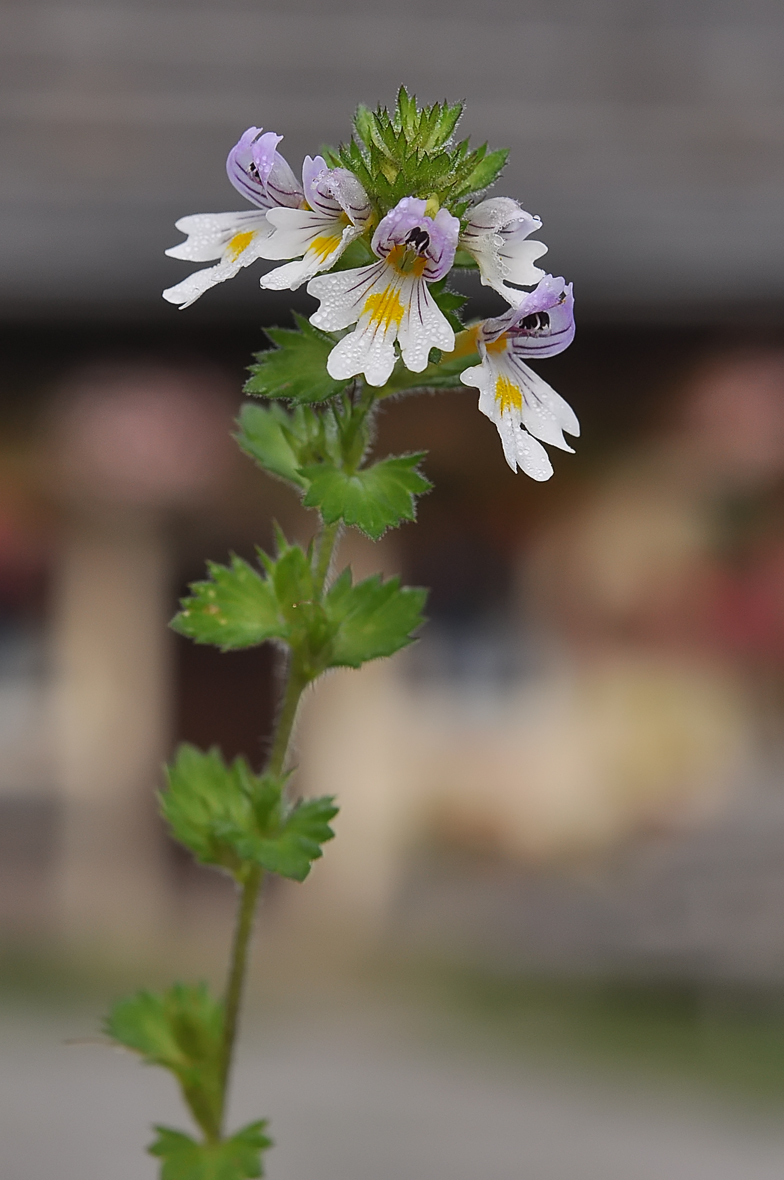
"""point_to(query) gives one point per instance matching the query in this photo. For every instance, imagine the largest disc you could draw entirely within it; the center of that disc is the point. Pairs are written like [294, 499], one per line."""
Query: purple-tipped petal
[542, 324]
[260, 173]
[432, 238]
[332, 191]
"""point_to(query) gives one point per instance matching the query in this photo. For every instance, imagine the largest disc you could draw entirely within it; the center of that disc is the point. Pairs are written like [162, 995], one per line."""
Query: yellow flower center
[385, 308]
[239, 243]
[406, 261]
[508, 395]
[465, 343]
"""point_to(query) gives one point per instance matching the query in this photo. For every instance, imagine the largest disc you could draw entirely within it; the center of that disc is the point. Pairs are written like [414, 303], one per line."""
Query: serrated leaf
[291, 850]
[228, 816]
[236, 608]
[373, 499]
[182, 1030]
[203, 801]
[265, 434]
[444, 124]
[297, 368]
[409, 152]
[235, 1158]
[376, 618]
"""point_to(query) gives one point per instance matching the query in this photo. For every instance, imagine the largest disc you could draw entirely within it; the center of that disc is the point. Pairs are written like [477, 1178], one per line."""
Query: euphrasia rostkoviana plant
[374, 230]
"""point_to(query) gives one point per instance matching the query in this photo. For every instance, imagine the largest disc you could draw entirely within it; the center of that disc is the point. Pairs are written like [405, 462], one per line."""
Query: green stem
[325, 547]
[239, 959]
[295, 686]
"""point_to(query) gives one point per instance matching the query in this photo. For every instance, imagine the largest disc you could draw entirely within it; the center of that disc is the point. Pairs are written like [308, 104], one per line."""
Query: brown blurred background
[576, 775]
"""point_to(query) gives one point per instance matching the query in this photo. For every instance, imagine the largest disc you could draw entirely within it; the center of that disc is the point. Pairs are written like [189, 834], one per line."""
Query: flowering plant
[374, 230]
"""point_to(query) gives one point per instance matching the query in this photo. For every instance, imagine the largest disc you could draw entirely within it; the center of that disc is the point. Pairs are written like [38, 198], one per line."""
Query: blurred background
[557, 895]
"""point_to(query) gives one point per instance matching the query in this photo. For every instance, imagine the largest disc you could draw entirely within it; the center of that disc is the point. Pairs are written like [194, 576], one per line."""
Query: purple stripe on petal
[260, 173]
[432, 238]
[542, 324]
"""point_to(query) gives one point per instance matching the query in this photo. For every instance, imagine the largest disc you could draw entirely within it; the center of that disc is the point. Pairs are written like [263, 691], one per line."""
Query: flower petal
[545, 413]
[495, 234]
[209, 234]
[240, 250]
[369, 349]
[343, 294]
[322, 253]
[259, 171]
[423, 326]
[541, 325]
[432, 241]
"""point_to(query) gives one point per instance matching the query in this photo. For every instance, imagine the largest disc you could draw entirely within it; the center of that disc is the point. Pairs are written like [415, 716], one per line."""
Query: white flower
[495, 235]
[390, 300]
[259, 172]
[524, 407]
[337, 213]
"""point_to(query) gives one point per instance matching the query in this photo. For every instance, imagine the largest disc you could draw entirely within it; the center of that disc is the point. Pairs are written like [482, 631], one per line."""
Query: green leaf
[465, 261]
[375, 618]
[237, 608]
[373, 499]
[290, 850]
[449, 302]
[235, 1158]
[182, 1030]
[297, 367]
[206, 799]
[230, 817]
[265, 434]
[240, 608]
[329, 155]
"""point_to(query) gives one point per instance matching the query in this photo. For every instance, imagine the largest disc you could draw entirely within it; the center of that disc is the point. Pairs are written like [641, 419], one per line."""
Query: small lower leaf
[235, 1158]
[182, 1030]
[203, 800]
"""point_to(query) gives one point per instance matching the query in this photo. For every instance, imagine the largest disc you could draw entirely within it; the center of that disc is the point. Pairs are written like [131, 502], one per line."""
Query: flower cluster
[405, 203]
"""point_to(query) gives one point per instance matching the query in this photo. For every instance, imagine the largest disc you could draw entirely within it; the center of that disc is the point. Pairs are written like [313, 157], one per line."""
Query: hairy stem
[295, 686]
[239, 959]
[325, 547]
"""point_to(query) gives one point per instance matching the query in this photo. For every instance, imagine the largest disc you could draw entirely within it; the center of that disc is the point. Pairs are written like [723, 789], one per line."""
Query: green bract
[230, 817]
[409, 153]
